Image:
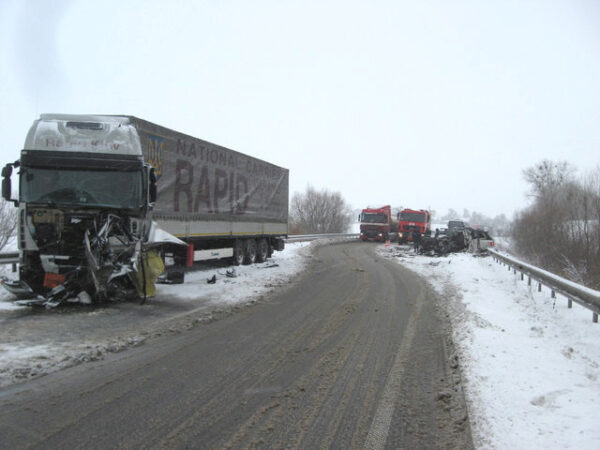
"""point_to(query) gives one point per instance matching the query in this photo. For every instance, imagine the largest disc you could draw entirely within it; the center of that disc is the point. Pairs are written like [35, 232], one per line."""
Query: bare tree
[450, 215]
[8, 222]
[560, 230]
[547, 178]
[319, 212]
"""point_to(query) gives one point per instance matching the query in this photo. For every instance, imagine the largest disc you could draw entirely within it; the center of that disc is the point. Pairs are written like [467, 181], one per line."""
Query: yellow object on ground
[153, 267]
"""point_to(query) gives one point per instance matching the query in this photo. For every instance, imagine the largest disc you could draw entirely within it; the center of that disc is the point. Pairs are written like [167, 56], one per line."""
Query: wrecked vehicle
[457, 239]
[481, 241]
[450, 241]
[108, 203]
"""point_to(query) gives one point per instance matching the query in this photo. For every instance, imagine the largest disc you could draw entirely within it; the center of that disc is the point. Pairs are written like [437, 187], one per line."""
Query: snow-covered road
[530, 365]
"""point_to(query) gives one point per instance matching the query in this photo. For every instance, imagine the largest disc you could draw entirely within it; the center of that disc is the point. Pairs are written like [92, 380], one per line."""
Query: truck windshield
[89, 188]
[374, 218]
[412, 217]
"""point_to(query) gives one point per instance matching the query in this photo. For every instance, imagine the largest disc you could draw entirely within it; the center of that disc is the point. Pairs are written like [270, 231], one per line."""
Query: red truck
[408, 219]
[377, 224]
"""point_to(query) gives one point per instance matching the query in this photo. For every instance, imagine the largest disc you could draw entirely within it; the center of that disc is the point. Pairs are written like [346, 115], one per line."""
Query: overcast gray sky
[425, 104]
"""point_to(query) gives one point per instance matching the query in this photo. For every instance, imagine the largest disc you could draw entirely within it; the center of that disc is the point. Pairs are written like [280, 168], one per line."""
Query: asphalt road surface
[354, 354]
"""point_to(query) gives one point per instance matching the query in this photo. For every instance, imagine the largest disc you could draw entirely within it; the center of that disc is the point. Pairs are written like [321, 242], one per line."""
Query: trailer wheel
[175, 276]
[262, 250]
[250, 251]
[238, 252]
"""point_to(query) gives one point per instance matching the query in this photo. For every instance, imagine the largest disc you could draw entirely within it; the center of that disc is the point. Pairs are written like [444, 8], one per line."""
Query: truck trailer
[106, 203]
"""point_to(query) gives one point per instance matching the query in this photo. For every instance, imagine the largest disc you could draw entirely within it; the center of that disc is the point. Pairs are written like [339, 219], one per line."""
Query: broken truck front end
[84, 197]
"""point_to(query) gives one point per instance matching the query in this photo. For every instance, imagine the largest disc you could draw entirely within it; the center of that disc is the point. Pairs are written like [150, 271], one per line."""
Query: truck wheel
[238, 252]
[262, 250]
[175, 276]
[250, 252]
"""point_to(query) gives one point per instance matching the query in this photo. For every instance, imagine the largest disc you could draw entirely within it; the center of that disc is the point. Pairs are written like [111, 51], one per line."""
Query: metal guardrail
[312, 237]
[588, 298]
[10, 258]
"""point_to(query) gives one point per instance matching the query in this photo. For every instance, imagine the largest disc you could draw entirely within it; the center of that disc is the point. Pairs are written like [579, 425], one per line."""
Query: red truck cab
[408, 219]
[377, 224]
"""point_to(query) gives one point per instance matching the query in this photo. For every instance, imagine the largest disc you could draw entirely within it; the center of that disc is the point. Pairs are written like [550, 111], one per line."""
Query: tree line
[319, 211]
[560, 230]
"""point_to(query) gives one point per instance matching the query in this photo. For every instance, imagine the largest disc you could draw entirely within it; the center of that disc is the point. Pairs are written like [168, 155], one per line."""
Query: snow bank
[530, 365]
[249, 282]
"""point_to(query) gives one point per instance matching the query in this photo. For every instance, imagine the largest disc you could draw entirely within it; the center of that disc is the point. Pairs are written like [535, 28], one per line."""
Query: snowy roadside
[36, 342]
[530, 365]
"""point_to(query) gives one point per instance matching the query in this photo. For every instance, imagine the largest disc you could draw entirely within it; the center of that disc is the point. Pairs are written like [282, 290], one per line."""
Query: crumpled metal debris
[118, 265]
[453, 240]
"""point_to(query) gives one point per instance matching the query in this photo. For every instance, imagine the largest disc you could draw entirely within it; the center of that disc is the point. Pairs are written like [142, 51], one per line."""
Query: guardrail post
[569, 303]
[528, 280]
[539, 287]
[595, 318]
[508, 265]
[553, 295]
[522, 276]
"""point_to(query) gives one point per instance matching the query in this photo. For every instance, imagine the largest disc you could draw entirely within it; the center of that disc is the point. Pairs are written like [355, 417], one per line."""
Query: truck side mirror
[152, 192]
[6, 189]
[6, 186]
[7, 171]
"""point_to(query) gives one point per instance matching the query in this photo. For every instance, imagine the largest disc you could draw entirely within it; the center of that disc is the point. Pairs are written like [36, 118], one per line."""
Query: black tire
[250, 252]
[239, 249]
[175, 276]
[262, 250]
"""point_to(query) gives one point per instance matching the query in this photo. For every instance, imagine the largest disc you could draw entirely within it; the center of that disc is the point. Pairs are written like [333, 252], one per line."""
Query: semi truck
[377, 224]
[107, 204]
[411, 219]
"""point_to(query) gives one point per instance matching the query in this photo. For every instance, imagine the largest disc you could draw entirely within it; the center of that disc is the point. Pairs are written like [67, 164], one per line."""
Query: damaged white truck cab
[92, 186]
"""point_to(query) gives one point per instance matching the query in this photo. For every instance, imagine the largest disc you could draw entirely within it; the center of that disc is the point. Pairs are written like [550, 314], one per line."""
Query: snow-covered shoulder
[29, 349]
[530, 365]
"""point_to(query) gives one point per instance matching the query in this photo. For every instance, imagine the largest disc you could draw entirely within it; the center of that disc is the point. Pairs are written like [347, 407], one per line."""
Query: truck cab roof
[102, 134]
